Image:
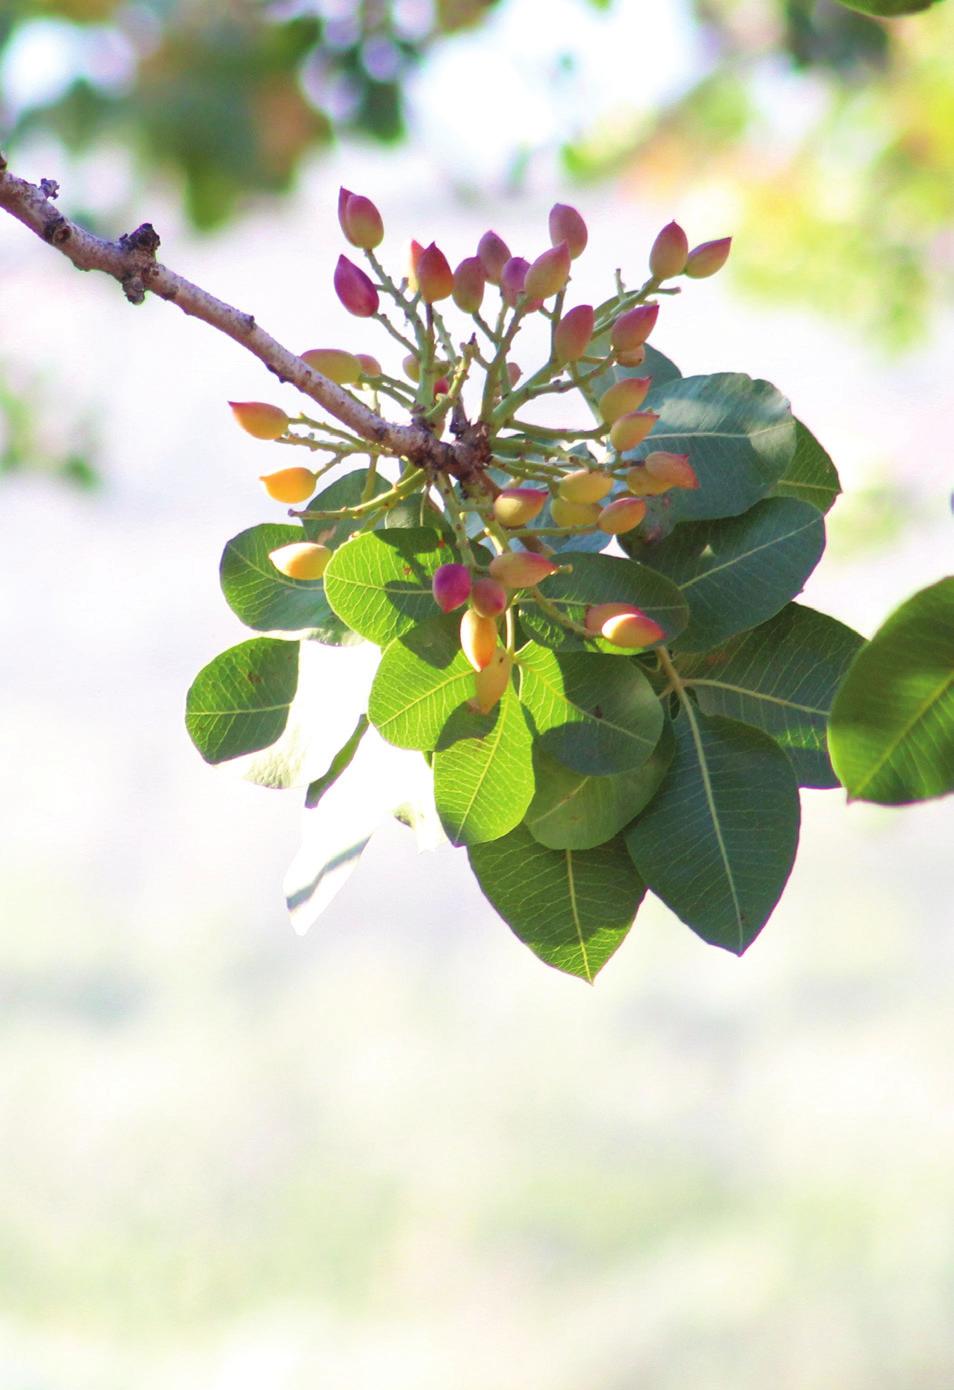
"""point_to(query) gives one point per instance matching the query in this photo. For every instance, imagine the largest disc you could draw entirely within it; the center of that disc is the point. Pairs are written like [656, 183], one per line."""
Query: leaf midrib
[574, 910]
[600, 723]
[747, 554]
[915, 719]
[714, 814]
[756, 695]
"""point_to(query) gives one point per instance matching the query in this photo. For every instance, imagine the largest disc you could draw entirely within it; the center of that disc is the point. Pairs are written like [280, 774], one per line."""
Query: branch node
[48, 187]
[57, 230]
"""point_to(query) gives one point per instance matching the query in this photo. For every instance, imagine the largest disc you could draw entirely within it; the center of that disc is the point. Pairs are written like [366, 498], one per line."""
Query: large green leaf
[483, 772]
[266, 599]
[717, 841]
[781, 677]
[239, 703]
[811, 476]
[571, 810]
[380, 583]
[571, 907]
[740, 438]
[422, 678]
[740, 571]
[594, 713]
[601, 579]
[889, 9]
[892, 724]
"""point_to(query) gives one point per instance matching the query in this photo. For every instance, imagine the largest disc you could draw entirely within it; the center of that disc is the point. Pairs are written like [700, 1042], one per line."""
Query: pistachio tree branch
[131, 260]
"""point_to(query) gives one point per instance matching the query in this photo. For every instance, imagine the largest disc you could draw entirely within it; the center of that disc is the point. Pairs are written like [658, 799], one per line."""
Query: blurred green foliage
[230, 95]
[833, 134]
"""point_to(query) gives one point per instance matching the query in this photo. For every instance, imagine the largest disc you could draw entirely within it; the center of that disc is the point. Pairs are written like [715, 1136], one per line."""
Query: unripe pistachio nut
[370, 366]
[549, 273]
[494, 254]
[641, 482]
[630, 626]
[623, 397]
[622, 515]
[435, 279]
[632, 429]
[478, 639]
[585, 485]
[355, 289]
[488, 597]
[521, 569]
[260, 420]
[360, 220]
[301, 559]
[674, 470]
[566, 513]
[334, 363]
[706, 259]
[633, 328]
[289, 484]
[451, 586]
[491, 682]
[669, 252]
[470, 281]
[573, 333]
[567, 225]
[516, 506]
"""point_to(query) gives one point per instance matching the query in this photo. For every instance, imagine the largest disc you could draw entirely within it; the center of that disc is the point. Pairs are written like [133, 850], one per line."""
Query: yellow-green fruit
[260, 420]
[623, 397]
[641, 482]
[585, 485]
[289, 484]
[301, 559]
[515, 506]
[622, 515]
[632, 429]
[334, 363]
[491, 682]
[478, 639]
[574, 513]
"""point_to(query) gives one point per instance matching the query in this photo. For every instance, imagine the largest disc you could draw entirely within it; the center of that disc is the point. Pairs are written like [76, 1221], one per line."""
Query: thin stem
[553, 612]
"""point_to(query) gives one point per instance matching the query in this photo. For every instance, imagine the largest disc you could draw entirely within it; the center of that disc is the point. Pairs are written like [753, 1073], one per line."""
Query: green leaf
[346, 491]
[483, 772]
[717, 841]
[892, 724]
[601, 579]
[740, 438]
[571, 907]
[339, 763]
[571, 810]
[422, 678]
[380, 583]
[738, 572]
[811, 476]
[781, 677]
[889, 9]
[266, 599]
[239, 703]
[593, 713]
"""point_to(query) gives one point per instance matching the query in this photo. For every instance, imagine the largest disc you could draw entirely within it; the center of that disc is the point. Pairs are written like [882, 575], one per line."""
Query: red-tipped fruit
[631, 430]
[478, 639]
[706, 259]
[622, 515]
[623, 397]
[435, 279]
[469, 283]
[633, 328]
[521, 569]
[669, 252]
[260, 420]
[360, 220]
[289, 484]
[623, 624]
[355, 289]
[515, 506]
[549, 273]
[491, 682]
[494, 253]
[567, 225]
[334, 363]
[451, 586]
[488, 597]
[674, 470]
[573, 333]
[585, 485]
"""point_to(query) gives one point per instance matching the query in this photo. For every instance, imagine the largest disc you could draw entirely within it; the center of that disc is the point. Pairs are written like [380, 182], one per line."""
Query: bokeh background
[400, 1151]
